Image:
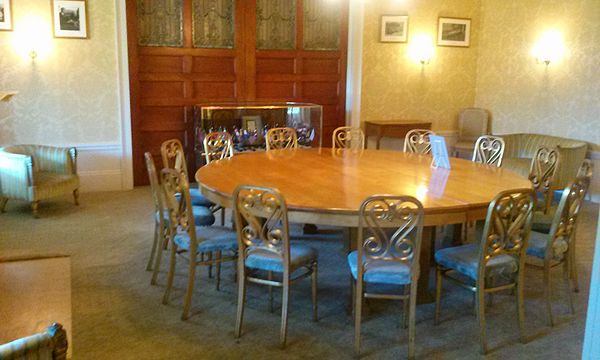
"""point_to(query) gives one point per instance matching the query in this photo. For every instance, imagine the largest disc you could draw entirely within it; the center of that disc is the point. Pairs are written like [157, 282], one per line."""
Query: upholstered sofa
[520, 149]
[34, 172]
[49, 345]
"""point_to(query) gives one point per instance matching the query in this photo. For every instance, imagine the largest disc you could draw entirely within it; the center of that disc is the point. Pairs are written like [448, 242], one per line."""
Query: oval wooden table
[326, 187]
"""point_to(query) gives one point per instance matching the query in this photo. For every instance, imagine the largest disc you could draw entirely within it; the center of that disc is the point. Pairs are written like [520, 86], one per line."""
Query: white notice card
[439, 152]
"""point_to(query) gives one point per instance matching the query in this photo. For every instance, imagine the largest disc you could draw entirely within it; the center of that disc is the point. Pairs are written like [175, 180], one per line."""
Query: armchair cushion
[381, 271]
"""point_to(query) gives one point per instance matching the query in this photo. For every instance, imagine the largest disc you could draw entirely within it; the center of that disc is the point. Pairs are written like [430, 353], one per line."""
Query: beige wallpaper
[523, 96]
[395, 87]
[69, 94]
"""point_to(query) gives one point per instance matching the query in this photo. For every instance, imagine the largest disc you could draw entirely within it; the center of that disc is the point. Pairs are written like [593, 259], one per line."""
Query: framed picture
[394, 28]
[454, 32]
[251, 122]
[69, 18]
[5, 15]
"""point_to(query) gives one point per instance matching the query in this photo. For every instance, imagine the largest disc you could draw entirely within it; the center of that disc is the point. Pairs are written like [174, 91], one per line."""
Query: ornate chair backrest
[348, 137]
[472, 123]
[542, 173]
[176, 191]
[565, 218]
[154, 183]
[417, 141]
[282, 138]
[507, 227]
[261, 221]
[586, 169]
[390, 229]
[218, 146]
[173, 156]
[489, 150]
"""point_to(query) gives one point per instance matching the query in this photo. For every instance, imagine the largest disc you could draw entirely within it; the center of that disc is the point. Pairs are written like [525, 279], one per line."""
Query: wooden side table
[395, 129]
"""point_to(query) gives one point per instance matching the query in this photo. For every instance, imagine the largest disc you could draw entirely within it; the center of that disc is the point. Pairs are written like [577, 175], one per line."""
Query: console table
[395, 129]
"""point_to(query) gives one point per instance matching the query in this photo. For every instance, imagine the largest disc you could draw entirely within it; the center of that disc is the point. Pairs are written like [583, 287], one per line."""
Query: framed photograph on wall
[394, 28]
[5, 15]
[454, 32]
[69, 18]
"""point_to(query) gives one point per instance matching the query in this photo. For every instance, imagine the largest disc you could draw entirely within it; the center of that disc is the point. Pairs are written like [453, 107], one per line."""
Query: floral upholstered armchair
[49, 345]
[34, 172]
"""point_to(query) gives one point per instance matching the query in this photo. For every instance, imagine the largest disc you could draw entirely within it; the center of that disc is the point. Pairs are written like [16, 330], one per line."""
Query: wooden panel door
[167, 81]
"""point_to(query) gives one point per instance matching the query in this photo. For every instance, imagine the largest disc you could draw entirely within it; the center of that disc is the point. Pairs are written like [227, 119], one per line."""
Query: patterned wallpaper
[523, 96]
[69, 95]
[395, 87]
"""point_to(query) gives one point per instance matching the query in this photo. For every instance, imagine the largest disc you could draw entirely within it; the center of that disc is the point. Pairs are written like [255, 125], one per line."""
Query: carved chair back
[154, 183]
[261, 221]
[173, 156]
[348, 137]
[176, 192]
[542, 173]
[282, 138]
[390, 229]
[218, 146]
[417, 141]
[489, 150]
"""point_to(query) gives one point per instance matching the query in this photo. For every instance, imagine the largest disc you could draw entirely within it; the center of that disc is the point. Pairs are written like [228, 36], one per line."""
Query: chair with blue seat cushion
[218, 146]
[189, 240]
[497, 262]
[557, 247]
[389, 242]
[264, 246]
[202, 217]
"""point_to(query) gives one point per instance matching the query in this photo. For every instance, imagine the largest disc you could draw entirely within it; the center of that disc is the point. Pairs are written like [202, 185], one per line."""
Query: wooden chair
[202, 217]
[557, 247]
[187, 239]
[389, 244]
[281, 138]
[217, 146]
[541, 174]
[417, 141]
[348, 137]
[264, 247]
[497, 262]
[489, 150]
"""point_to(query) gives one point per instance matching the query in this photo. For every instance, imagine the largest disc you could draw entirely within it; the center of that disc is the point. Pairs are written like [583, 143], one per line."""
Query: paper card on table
[439, 152]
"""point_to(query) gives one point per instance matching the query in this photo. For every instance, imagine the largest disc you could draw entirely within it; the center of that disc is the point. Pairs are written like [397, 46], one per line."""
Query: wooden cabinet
[185, 52]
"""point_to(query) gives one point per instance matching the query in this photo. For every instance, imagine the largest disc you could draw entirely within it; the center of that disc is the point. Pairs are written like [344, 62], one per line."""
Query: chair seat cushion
[210, 239]
[199, 199]
[47, 184]
[300, 255]
[538, 242]
[202, 216]
[465, 260]
[381, 271]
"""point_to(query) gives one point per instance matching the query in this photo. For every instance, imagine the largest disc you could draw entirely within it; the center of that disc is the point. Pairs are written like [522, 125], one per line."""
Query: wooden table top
[321, 181]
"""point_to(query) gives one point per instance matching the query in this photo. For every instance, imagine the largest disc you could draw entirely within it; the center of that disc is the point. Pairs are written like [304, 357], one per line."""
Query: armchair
[34, 172]
[49, 345]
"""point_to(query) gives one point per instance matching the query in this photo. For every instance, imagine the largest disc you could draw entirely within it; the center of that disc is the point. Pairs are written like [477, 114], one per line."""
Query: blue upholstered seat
[465, 260]
[381, 271]
[538, 243]
[202, 216]
[299, 255]
[197, 198]
[210, 239]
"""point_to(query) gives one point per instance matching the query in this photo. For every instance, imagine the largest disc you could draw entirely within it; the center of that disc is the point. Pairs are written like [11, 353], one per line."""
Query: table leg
[350, 239]
[378, 140]
[424, 296]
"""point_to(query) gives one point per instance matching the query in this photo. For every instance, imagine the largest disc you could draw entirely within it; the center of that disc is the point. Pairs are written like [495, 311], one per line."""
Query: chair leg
[357, 315]
[187, 302]
[521, 309]
[76, 197]
[438, 295]
[270, 277]
[481, 319]
[161, 245]
[241, 271]
[352, 295]
[548, 292]
[406, 308]
[3, 202]
[412, 319]
[210, 256]
[573, 264]
[218, 270]
[222, 216]
[154, 245]
[34, 209]
[315, 269]
[285, 303]
[171, 275]
[567, 280]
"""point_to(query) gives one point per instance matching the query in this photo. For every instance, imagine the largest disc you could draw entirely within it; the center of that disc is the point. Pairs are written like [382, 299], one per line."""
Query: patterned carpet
[118, 315]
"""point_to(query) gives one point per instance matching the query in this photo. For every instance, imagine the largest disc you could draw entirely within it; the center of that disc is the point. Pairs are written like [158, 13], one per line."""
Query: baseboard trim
[99, 167]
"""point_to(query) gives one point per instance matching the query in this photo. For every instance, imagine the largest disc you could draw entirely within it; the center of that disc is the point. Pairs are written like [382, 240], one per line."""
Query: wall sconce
[550, 48]
[32, 39]
[421, 49]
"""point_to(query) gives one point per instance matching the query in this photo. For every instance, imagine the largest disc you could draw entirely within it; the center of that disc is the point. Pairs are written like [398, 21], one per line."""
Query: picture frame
[5, 15]
[70, 19]
[454, 32]
[394, 28]
[251, 122]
